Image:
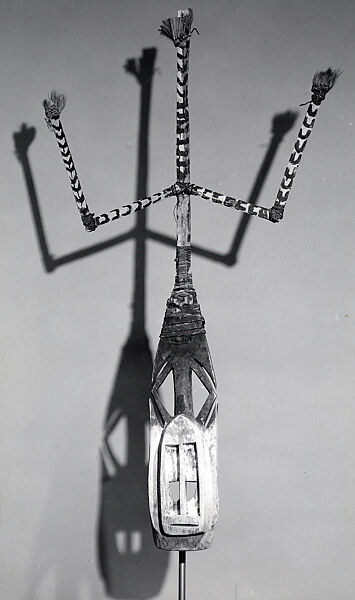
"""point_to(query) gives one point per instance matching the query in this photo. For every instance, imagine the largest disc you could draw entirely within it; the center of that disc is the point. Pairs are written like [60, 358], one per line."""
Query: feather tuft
[53, 105]
[322, 83]
[178, 29]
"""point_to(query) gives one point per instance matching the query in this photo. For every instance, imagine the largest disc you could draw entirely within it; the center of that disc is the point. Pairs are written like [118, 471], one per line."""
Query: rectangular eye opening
[174, 489]
[190, 460]
[173, 475]
[191, 490]
[192, 495]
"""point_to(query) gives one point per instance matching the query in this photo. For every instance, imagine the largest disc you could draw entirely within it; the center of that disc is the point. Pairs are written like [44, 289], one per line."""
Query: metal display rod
[182, 575]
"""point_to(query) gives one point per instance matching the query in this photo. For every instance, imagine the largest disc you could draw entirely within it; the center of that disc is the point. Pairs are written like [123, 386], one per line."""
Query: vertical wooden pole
[183, 212]
[179, 524]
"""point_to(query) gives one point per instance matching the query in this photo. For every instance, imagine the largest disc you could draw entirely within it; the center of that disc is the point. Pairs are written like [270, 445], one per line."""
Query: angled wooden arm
[322, 83]
[53, 106]
[229, 201]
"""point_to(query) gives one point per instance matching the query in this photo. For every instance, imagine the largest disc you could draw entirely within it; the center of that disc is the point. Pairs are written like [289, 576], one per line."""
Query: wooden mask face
[183, 494]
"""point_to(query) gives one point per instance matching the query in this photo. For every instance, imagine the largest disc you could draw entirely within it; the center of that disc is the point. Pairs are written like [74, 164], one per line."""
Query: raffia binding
[323, 82]
[178, 29]
[183, 316]
[53, 106]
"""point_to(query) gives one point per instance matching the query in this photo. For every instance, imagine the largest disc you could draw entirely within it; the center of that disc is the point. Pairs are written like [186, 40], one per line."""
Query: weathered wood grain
[182, 479]
[183, 492]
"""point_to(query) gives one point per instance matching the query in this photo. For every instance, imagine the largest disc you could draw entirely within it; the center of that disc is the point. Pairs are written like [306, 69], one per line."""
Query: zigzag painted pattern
[182, 115]
[128, 209]
[217, 198]
[69, 165]
[81, 203]
[183, 163]
[183, 187]
[296, 155]
[276, 212]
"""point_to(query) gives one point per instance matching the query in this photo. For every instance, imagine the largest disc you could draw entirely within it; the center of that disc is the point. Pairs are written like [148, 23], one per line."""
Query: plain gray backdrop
[280, 322]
